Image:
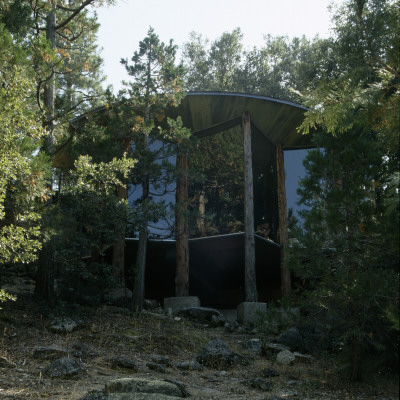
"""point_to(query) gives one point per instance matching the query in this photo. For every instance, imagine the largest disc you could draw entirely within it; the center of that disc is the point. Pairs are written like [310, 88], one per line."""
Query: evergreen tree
[350, 242]
[156, 87]
[23, 168]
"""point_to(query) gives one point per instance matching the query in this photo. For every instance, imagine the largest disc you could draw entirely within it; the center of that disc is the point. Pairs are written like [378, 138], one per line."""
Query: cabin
[225, 268]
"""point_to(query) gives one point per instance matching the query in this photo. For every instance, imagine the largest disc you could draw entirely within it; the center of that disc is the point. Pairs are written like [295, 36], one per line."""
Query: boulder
[254, 345]
[306, 358]
[217, 355]
[63, 367]
[150, 305]
[94, 395]
[65, 325]
[189, 366]
[155, 367]
[140, 396]
[164, 360]
[203, 315]
[82, 350]
[173, 305]
[49, 352]
[144, 386]
[123, 362]
[270, 350]
[285, 357]
[291, 338]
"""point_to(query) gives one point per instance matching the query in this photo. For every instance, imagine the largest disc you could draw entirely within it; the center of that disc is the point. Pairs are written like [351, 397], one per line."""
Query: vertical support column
[250, 268]
[182, 234]
[118, 260]
[283, 231]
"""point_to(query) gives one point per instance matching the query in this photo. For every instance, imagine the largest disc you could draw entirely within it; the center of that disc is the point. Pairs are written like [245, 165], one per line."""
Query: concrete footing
[175, 304]
[248, 312]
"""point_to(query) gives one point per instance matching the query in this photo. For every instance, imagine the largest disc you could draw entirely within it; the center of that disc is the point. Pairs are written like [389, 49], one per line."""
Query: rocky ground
[110, 351]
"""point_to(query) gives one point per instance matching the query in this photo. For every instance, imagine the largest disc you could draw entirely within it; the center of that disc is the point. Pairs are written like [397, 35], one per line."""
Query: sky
[125, 24]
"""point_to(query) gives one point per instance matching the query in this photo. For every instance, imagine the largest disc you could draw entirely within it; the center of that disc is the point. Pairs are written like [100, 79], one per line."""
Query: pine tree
[156, 86]
[349, 254]
[23, 168]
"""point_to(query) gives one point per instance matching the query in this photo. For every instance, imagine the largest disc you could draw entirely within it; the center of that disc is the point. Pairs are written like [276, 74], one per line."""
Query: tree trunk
[250, 268]
[44, 285]
[140, 266]
[182, 234]
[202, 213]
[118, 261]
[283, 230]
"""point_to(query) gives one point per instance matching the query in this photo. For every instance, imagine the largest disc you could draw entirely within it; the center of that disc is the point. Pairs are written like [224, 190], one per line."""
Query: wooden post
[118, 260]
[283, 231]
[250, 268]
[182, 234]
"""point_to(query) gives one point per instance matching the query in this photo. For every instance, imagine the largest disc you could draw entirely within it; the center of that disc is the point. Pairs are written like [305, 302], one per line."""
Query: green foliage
[348, 257]
[344, 259]
[23, 169]
[4, 296]
[155, 89]
[87, 216]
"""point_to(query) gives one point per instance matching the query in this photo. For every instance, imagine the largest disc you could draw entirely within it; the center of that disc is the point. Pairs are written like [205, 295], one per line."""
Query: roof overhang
[208, 113]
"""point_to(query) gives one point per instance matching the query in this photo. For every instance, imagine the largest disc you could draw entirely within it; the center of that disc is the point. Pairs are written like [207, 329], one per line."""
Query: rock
[269, 373]
[65, 325]
[275, 398]
[50, 352]
[155, 367]
[291, 338]
[123, 362]
[4, 363]
[63, 367]
[189, 366]
[150, 305]
[140, 396]
[128, 396]
[173, 305]
[285, 357]
[303, 357]
[231, 326]
[259, 383]
[94, 395]
[142, 385]
[254, 345]
[270, 350]
[164, 360]
[203, 315]
[180, 385]
[217, 355]
[82, 350]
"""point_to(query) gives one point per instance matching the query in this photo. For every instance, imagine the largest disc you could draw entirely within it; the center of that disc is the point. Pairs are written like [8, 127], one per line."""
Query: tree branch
[74, 13]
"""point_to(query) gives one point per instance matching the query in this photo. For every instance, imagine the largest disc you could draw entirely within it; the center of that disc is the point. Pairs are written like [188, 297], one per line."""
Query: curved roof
[207, 113]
